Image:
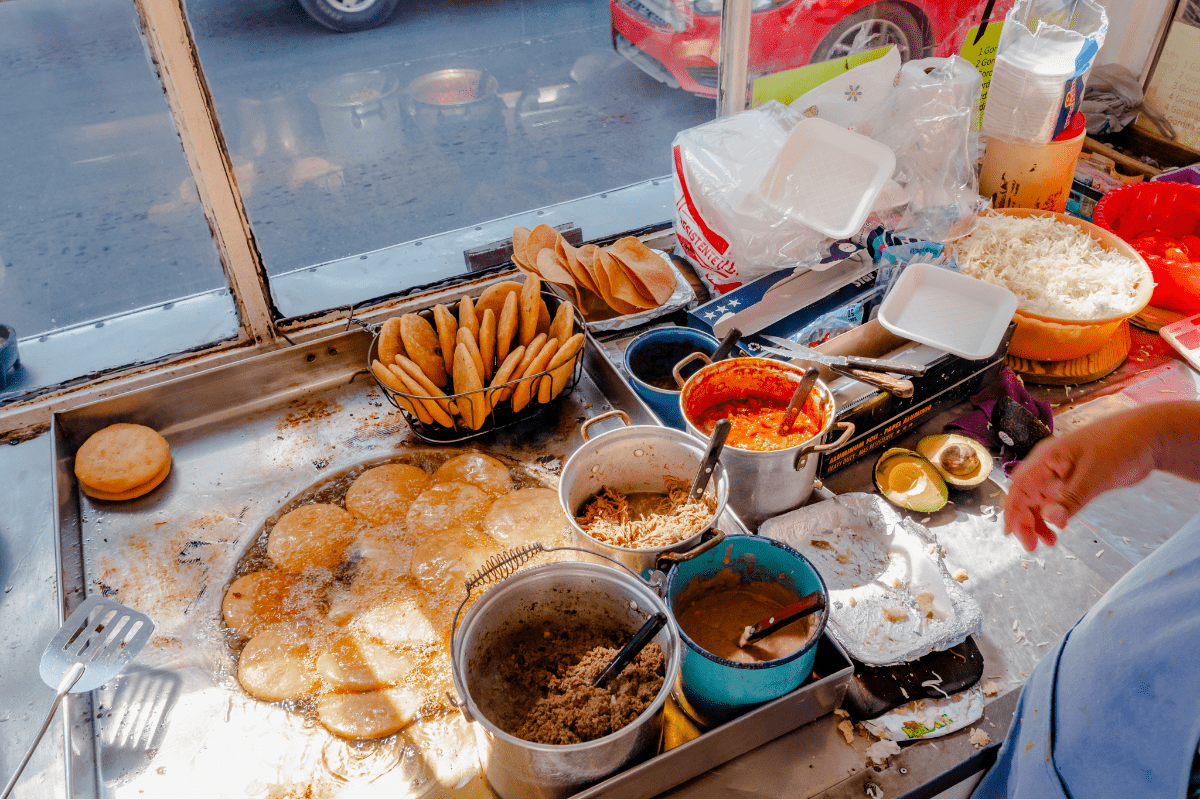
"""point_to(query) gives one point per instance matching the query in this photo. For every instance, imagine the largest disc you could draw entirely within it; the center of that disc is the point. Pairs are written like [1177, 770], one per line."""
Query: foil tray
[246, 439]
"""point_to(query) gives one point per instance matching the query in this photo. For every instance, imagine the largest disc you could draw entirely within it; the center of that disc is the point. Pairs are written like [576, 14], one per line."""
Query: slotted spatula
[92, 647]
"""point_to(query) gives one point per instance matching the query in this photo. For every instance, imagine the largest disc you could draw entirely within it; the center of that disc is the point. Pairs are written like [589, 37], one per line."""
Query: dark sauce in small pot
[655, 363]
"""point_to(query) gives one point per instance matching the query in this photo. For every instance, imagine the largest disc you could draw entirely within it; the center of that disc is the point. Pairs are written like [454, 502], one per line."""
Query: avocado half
[910, 481]
[960, 460]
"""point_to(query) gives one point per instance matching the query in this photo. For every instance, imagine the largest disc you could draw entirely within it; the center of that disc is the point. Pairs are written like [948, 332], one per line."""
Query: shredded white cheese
[1054, 268]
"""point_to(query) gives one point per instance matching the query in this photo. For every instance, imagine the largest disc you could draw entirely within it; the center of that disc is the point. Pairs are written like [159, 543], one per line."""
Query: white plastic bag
[733, 235]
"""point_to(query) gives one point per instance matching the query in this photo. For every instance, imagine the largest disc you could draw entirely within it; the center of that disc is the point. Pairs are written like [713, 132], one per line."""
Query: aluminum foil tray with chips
[616, 286]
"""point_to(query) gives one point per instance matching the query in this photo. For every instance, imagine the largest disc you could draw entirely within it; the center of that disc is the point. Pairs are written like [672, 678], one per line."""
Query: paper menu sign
[1174, 88]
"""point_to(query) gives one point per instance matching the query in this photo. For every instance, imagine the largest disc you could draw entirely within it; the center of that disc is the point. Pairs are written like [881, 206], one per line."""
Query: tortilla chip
[550, 269]
[623, 296]
[520, 239]
[651, 274]
[568, 257]
[540, 238]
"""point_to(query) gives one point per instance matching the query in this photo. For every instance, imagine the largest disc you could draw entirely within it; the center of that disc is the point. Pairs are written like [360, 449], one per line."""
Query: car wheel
[877, 25]
[345, 16]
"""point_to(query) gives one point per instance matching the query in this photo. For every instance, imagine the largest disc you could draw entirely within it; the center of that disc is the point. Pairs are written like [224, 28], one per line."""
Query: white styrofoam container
[827, 177]
[948, 310]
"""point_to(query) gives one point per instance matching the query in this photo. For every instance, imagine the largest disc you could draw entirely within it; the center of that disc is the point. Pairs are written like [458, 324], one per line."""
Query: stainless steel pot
[636, 458]
[766, 483]
[545, 596]
[360, 115]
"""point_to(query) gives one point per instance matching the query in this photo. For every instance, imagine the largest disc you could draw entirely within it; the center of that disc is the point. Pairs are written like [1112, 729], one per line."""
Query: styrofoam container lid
[827, 177]
[948, 310]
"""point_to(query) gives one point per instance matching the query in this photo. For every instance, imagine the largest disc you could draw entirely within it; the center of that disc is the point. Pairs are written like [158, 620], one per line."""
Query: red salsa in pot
[754, 422]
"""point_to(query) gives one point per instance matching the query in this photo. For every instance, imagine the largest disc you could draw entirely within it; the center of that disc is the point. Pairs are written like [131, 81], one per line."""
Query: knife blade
[790, 349]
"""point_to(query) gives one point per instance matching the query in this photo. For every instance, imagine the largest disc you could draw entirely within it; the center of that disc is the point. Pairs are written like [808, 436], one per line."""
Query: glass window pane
[100, 221]
[444, 118]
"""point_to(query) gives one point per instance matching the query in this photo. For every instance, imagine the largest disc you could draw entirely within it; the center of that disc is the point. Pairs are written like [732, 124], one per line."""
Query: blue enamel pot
[650, 360]
[716, 689]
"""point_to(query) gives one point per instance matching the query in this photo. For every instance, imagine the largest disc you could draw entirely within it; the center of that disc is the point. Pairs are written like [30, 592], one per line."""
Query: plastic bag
[733, 237]
[1046, 50]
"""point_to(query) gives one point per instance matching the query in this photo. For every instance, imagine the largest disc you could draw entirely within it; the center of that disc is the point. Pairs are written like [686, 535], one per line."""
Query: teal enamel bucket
[715, 689]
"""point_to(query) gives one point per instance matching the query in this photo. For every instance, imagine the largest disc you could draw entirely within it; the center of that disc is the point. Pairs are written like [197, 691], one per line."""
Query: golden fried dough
[506, 326]
[313, 535]
[447, 505]
[122, 457]
[473, 406]
[422, 345]
[447, 331]
[355, 662]
[368, 715]
[383, 494]
[527, 515]
[467, 318]
[276, 665]
[487, 343]
[261, 599]
[498, 392]
[479, 469]
[527, 309]
[523, 393]
[390, 344]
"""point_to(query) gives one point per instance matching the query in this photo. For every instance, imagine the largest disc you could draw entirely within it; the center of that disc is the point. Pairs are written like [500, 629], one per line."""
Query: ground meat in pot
[549, 674]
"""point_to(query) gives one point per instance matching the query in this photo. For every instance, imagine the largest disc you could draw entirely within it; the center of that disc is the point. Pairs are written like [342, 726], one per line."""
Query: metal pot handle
[708, 540]
[583, 429]
[847, 432]
[677, 372]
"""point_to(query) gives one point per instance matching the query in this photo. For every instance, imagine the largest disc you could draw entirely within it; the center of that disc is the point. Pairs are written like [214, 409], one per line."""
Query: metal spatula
[92, 647]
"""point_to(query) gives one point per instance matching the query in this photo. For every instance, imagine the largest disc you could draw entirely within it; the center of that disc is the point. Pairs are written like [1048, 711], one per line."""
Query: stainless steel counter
[1029, 601]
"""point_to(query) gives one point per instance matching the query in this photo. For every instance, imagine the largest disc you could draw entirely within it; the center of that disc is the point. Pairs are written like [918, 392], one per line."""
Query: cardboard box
[879, 417]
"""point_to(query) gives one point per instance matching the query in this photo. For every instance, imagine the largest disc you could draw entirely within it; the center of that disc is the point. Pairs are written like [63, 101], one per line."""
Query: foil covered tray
[892, 600]
[247, 440]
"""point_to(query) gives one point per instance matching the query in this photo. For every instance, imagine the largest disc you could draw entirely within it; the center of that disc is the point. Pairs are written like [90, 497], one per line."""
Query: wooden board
[1084, 369]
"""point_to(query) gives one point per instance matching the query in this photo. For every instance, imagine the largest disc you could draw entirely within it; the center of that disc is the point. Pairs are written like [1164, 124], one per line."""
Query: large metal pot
[540, 597]
[452, 97]
[360, 115]
[762, 483]
[636, 458]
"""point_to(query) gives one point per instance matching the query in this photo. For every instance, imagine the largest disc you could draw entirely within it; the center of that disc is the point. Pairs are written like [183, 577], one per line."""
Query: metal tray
[245, 440]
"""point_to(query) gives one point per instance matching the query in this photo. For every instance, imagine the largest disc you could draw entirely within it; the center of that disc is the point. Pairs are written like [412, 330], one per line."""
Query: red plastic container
[1171, 209]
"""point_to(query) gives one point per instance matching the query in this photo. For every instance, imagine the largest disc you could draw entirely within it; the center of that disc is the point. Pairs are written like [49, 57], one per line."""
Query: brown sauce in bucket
[714, 612]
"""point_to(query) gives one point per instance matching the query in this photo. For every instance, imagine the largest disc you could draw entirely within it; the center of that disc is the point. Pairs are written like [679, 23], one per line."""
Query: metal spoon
[797, 401]
[716, 442]
[630, 650]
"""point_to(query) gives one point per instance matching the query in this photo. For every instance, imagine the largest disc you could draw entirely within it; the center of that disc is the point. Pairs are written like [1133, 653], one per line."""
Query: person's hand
[1063, 473]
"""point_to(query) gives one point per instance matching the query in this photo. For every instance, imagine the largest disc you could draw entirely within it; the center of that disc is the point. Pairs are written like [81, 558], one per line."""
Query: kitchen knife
[788, 348]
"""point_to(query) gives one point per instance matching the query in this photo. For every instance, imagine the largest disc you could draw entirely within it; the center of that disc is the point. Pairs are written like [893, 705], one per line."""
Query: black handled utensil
[640, 639]
[716, 443]
[727, 344]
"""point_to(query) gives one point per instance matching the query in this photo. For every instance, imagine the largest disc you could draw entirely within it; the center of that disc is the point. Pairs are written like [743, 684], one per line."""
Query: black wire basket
[499, 399]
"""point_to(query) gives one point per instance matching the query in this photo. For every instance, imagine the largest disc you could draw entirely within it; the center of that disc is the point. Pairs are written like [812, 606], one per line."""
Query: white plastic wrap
[891, 598]
[729, 228]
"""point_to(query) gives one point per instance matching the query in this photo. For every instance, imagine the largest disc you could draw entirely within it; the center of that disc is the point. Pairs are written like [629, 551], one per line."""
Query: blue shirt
[1114, 709]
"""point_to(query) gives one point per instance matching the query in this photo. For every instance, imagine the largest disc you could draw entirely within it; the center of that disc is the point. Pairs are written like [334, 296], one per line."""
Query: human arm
[1063, 473]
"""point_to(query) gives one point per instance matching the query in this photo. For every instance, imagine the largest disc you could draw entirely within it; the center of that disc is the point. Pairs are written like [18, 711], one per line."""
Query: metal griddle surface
[246, 440]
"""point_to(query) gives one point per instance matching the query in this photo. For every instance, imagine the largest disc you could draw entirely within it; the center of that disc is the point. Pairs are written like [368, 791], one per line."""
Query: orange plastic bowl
[1040, 338]
[1172, 209]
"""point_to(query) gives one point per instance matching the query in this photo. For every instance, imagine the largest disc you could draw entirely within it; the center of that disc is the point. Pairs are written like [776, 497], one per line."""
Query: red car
[676, 41]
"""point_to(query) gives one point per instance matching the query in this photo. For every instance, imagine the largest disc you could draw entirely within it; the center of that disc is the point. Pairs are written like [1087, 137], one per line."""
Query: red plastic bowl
[1172, 209]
